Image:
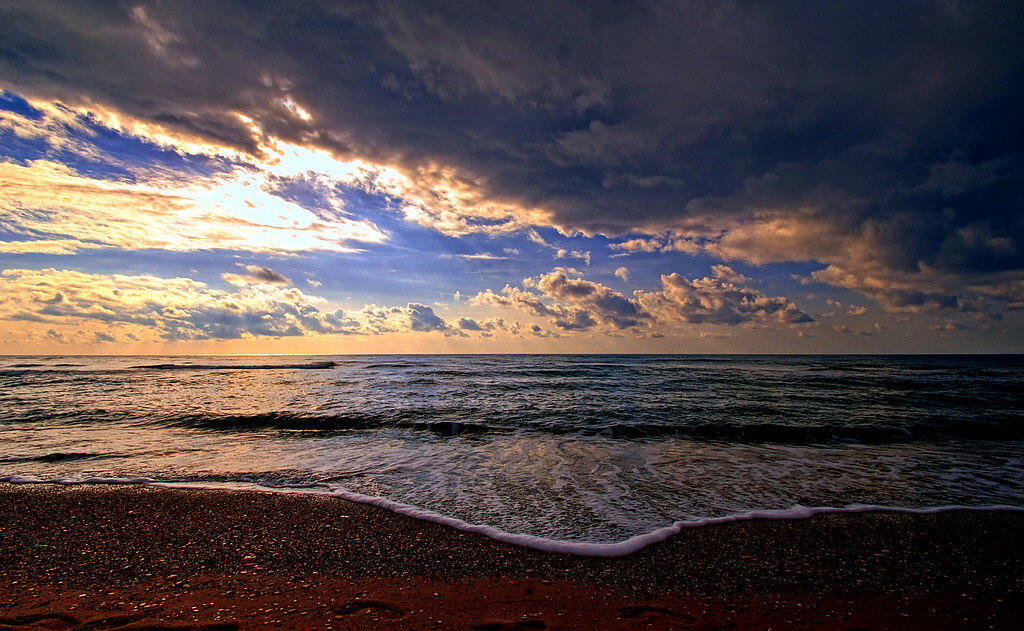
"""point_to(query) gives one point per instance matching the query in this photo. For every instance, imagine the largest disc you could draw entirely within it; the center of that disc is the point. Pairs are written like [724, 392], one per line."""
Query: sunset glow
[405, 194]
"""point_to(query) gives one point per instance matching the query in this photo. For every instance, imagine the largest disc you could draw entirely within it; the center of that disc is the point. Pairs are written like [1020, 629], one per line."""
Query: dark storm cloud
[883, 139]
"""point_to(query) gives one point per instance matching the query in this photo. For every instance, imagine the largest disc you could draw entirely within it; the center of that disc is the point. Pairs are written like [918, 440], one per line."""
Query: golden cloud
[45, 198]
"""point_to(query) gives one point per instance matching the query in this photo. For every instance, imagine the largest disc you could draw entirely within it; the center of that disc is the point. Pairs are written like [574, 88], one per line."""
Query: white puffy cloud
[79, 308]
[640, 244]
[572, 303]
[729, 275]
[562, 253]
[713, 301]
[170, 308]
[670, 242]
[412, 317]
[487, 327]
[596, 302]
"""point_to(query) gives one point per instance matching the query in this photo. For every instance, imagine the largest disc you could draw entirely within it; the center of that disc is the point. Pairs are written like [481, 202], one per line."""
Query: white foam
[579, 548]
[20, 479]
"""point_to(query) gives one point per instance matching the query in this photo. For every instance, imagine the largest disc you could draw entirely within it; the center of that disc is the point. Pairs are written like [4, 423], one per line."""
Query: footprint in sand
[374, 606]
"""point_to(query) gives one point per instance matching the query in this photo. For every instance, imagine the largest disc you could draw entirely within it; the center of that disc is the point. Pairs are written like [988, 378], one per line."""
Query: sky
[447, 177]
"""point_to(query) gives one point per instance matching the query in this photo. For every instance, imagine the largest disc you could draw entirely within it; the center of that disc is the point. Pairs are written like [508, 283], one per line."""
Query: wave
[557, 546]
[17, 372]
[323, 365]
[23, 370]
[1011, 428]
[325, 423]
[59, 456]
[749, 425]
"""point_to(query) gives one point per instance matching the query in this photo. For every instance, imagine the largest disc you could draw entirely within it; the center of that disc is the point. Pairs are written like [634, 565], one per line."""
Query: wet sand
[132, 557]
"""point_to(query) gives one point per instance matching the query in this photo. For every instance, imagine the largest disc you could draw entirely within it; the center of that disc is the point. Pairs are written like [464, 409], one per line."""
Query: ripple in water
[569, 448]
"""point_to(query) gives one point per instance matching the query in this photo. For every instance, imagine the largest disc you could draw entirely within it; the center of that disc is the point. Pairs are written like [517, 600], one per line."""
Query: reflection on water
[595, 448]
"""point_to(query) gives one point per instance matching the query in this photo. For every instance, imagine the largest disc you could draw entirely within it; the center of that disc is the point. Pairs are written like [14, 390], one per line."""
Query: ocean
[596, 454]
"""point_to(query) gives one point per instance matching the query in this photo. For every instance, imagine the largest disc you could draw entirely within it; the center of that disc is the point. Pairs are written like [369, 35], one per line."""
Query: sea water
[586, 453]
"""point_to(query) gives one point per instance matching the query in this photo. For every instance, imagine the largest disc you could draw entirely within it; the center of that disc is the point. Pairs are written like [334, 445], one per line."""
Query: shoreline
[624, 547]
[186, 556]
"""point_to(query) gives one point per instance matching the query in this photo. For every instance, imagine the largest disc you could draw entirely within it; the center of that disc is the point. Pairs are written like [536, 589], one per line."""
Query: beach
[138, 557]
[515, 315]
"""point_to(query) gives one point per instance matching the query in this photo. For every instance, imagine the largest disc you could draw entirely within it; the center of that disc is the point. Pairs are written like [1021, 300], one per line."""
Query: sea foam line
[578, 548]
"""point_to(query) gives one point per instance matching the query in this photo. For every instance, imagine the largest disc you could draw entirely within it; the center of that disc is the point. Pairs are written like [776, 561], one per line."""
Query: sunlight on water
[595, 448]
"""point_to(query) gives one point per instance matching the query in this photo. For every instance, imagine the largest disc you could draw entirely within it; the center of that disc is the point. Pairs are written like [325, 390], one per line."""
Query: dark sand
[148, 558]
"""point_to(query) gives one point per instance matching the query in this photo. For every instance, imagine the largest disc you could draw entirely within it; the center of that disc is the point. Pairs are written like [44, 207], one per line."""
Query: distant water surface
[596, 448]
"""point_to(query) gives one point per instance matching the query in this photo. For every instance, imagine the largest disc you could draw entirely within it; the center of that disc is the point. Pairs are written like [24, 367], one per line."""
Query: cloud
[652, 110]
[257, 274]
[489, 326]
[477, 257]
[920, 292]
[958, 175]
[562, 253]
[517, 298]
[947, 325]
[713, 301]
[170, 308]
[579, 305]
[598, 302]
[161, 42]
[905, 262]
[599, 145]
[729, 275]
[664, 243]
[623, 273]
[638, 245]
[538, 331]
[60, 338]
[54, 246]
[422, 318]
[283, 189]
[105, 308]
[572, 303]
[414, 317]
[48, 202]
[883, 142]
[468, 324]
[132, 308]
